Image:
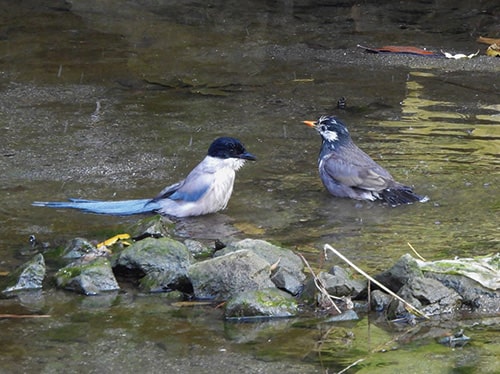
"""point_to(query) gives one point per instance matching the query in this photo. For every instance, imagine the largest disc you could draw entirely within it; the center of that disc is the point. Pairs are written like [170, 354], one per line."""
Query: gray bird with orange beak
[347, 171]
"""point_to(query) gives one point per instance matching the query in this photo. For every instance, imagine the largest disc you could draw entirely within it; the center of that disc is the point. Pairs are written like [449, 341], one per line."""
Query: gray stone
[155, 227]
[476, 297]
[198, 249]
[222, 277]
[427, 295]
[338, 282]
[398, 275]
[379, 300]
[161, 263]
[288, 274]
[289, 280]
[28, 276]
[78, 247]
[267, 303]
[87, 277]
[347, 315]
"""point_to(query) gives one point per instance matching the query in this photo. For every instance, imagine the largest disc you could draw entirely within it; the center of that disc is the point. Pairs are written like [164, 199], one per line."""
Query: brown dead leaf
[486, 40]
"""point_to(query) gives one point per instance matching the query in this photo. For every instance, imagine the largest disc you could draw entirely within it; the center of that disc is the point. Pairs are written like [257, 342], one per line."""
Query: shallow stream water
[113, 100]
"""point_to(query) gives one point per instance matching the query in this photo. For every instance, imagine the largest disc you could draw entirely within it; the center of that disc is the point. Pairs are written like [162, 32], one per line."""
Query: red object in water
[401, 49]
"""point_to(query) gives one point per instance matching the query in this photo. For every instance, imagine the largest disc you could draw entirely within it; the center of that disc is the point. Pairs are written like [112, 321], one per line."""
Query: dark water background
[113, 100]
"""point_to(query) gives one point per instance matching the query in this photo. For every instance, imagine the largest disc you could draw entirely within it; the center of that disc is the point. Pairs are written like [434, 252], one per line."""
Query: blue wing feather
[193, 195]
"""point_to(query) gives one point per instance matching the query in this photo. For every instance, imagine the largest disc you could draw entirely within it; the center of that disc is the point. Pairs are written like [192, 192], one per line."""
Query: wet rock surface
[265, 303]
[474, 296]
[436, 293]
[29, 276]
[288, 267]
[225, 276]
[79, 247]
[428, 295]
[156, 227]
[198, 249]
[400, 273]
[340, 282]
[162, 264]
[244, 268]
[89, 277]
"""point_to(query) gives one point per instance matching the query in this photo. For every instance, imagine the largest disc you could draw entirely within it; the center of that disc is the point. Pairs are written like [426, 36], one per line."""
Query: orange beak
[310, 123]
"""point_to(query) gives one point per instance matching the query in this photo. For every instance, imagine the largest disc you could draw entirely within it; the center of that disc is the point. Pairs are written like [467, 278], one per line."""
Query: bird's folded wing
[168, 191]
[190, 192]
[353, 175]
[191, 189]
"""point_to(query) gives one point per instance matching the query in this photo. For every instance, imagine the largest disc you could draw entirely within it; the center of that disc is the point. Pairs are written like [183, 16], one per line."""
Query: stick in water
[411, 307]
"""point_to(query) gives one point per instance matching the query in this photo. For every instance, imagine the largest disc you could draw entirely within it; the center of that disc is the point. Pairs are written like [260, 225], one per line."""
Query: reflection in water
[471, 133]
[457, 144]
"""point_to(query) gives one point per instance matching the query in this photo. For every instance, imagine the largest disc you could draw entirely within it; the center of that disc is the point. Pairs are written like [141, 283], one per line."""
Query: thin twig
[351, 365]
[342, 257]
[24, 315]
[416, 253]
[191, 303]
[320, 286]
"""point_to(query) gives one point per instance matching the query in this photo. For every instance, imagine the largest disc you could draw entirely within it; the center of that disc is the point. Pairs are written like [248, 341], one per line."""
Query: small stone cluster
[254, 278]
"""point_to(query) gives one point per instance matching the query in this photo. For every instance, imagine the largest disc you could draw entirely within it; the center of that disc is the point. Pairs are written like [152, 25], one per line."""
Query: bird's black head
[331, 129]
[227, 147]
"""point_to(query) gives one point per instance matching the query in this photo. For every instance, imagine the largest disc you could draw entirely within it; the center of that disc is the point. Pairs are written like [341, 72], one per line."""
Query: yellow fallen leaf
[493, 50]
[113, 240]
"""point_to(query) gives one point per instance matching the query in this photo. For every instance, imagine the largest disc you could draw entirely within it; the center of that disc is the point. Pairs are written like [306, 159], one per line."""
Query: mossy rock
[267, 303]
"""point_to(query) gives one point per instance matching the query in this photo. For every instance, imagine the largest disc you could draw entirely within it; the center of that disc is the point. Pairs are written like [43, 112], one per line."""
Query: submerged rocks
[442, 287]
[288, 267]
[79, 247]
[426, 294]
[339, 282]
[161, 264]
[258, 279]
[89, 277]
[253, 275]
[398, 275]
[28, 276]
[269, 302]
[225, 276]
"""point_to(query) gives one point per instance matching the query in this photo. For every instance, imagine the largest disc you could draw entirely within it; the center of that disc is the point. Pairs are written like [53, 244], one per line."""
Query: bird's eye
[323, 128]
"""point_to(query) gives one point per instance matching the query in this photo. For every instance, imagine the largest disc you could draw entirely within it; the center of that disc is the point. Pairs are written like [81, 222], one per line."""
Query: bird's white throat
[330, 136]
[219, 163]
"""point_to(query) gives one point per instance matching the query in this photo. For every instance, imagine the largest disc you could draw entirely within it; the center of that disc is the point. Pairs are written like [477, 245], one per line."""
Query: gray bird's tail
[117, 208]
[401, 195]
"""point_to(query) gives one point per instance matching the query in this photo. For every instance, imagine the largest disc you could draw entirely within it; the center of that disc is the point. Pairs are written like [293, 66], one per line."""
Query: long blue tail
[117, 208]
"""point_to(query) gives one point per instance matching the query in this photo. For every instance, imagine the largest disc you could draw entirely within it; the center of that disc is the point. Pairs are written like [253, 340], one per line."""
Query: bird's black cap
[227, 147]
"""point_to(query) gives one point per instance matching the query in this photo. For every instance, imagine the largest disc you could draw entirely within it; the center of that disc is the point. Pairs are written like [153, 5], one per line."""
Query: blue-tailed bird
[347, 171]
[206, 189]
